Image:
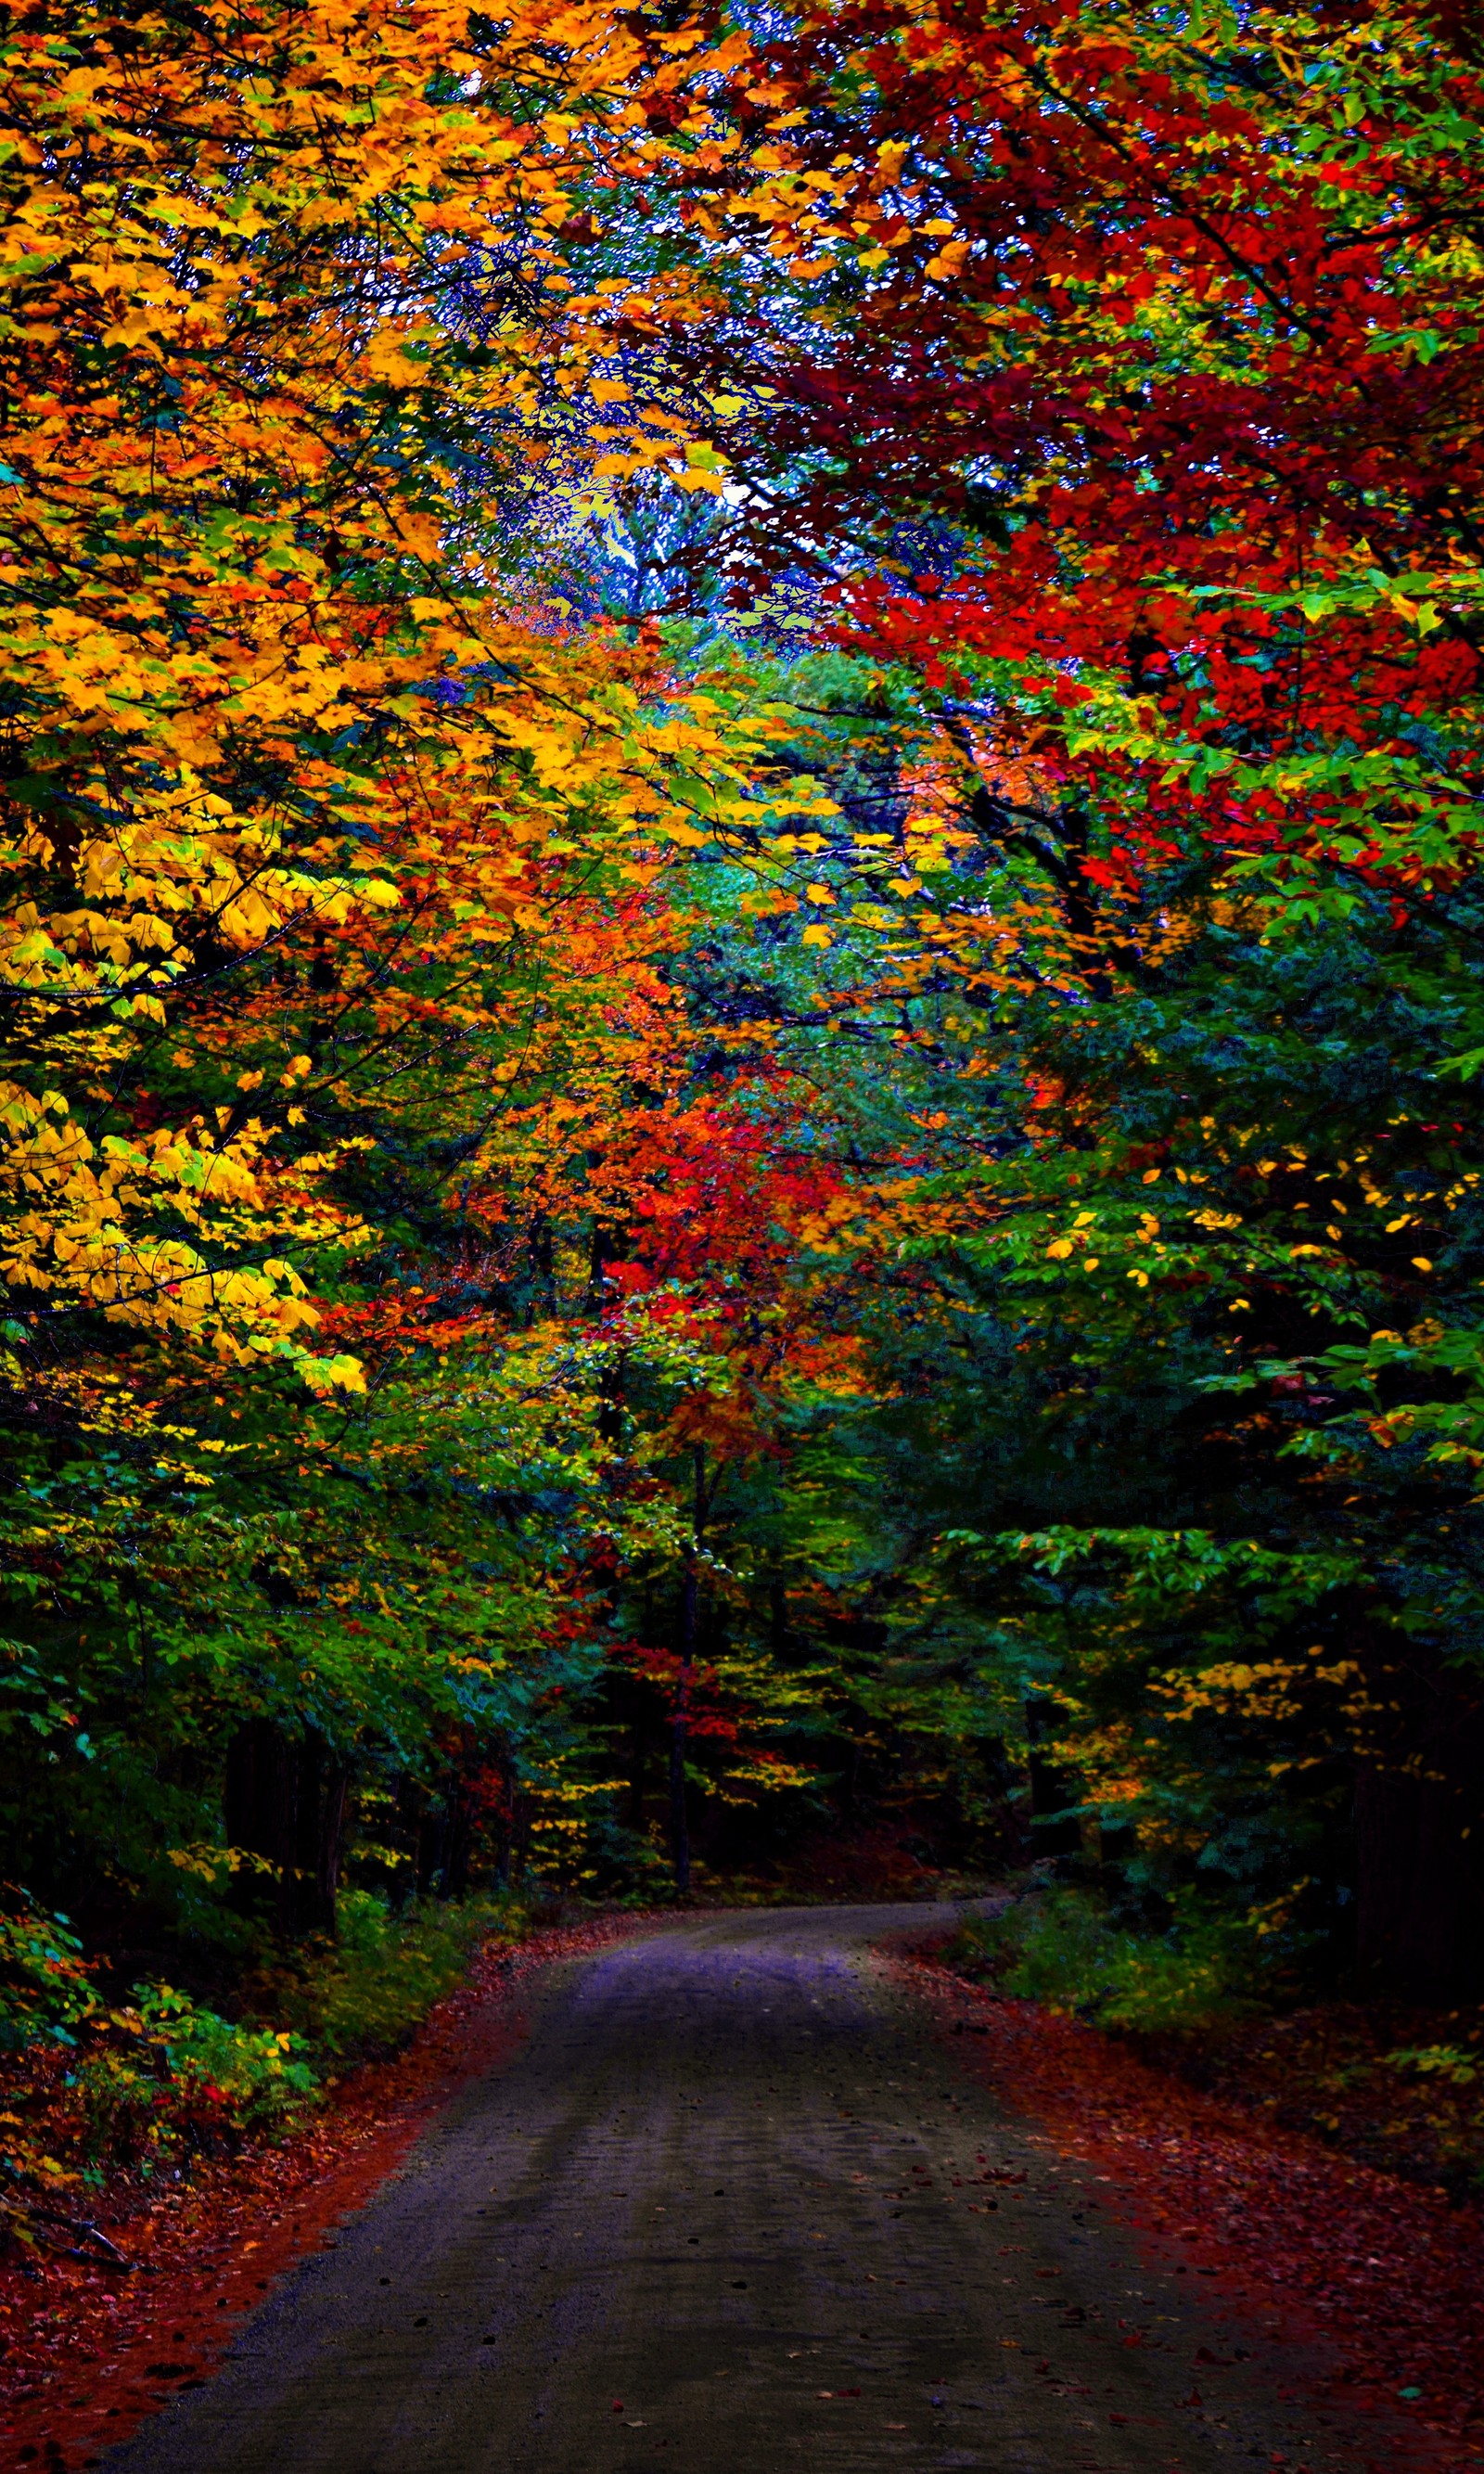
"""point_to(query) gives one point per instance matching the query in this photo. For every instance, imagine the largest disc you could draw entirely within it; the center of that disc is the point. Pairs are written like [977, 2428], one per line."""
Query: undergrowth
[106, 2089]
[1209, 1999]
[366, 1992]
[1061, 1945]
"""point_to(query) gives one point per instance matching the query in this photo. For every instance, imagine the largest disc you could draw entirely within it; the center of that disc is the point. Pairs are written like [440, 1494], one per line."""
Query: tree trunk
[1050, 1789]
[679, 1821]
[690, 1594]
[283, 1799]
[505, 1818]
[256, 1800]
[638, 1769]
[433, 1844]
[1420, 1834]
[323, 1784]
[453, 1874]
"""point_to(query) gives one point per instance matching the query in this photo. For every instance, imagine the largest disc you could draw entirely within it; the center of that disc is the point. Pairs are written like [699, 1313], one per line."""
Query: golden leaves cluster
[293, 303]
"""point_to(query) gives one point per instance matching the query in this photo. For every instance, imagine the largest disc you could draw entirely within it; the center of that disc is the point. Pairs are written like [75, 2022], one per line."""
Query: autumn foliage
[740, 767]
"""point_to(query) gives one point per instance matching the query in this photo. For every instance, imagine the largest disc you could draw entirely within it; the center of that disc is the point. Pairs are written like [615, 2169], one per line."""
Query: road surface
[734, 2208]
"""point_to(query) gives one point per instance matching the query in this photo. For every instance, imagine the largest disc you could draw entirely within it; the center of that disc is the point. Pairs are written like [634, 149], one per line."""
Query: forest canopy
[741, 768]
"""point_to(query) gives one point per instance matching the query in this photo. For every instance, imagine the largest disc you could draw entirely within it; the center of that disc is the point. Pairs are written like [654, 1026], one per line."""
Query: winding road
[734, 2207]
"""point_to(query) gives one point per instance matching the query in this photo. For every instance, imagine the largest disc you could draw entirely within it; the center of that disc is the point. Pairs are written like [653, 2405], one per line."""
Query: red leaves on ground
[86, 2355]
[1383, 2273]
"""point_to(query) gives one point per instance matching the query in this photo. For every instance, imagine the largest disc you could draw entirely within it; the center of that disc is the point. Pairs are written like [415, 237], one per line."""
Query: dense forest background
[741, 990]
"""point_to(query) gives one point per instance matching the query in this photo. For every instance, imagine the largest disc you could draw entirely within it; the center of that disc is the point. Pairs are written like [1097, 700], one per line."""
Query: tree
[336, 863]
[741, 772]
[1125, 391]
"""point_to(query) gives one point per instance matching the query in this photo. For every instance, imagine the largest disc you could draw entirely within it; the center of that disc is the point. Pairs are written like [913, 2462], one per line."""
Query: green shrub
[1447, 2062]
[166, 2075]
[45, 1990]
[1059, 1946]
[368, 1991]
[159, 2077]
[257, 2074]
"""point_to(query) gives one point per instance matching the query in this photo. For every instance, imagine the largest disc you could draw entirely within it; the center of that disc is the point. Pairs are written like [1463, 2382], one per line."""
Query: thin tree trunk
[1419, 1848]
[637, 1766]
[690, 1594]
[331, 1846]
[506, 1809]
[453, 1878]
[679, 1824]
[285, 1800]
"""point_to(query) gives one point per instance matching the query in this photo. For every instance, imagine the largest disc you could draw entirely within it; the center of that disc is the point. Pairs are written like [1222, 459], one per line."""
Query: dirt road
[734, 2208]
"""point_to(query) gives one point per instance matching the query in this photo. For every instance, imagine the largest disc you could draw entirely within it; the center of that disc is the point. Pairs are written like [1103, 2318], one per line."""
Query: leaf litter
[1381, 2274]
[88, 2353]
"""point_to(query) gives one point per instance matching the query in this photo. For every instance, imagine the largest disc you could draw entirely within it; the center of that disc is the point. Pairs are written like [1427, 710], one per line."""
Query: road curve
[733, 2207]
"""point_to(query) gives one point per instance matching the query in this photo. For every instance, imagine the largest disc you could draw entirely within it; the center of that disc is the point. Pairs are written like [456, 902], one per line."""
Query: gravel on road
[734, 2207]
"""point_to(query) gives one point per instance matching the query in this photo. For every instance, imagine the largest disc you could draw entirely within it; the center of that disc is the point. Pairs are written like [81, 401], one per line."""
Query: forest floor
[87, 2352]
[1327, 2070]
[821, 2154]
[1283, 2159]
[738, 2187]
